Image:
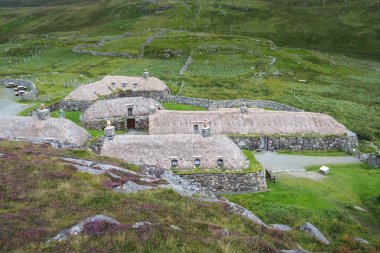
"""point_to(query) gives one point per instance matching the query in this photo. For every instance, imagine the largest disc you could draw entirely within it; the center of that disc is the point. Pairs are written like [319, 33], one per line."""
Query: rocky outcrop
[360, 240]
[78, 228]
[314, 232]
[281, 227]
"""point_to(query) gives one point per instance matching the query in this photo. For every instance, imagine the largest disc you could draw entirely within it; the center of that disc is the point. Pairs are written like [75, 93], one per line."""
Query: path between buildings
[136, 132]
[9, 107]
[295, 165]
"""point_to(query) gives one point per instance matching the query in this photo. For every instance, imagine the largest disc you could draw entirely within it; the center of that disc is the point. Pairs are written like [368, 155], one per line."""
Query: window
[197, 162]
[220, 163]
[196, 129]
[129, 111]
[174, 163]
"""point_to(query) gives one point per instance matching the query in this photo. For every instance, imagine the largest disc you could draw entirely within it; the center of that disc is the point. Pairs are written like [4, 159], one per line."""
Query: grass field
[40, 196]
[327, 204]
[230, 45]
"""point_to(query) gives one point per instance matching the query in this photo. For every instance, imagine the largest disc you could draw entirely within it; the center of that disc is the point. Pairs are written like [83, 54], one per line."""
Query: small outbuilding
[180, 152]
[50, 130]
[124, 113]
[115, 87]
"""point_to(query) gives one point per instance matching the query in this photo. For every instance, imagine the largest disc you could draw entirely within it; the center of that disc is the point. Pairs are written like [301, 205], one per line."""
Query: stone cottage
[58, 132]
[258, 128]
[115, 87]
[182, 152]
[124, 113]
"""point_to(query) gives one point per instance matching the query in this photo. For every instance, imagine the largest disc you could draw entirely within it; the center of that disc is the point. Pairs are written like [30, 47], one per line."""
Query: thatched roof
[87, 92]
[113, 108]
[29, 127]
[159, 150]
[256, 121]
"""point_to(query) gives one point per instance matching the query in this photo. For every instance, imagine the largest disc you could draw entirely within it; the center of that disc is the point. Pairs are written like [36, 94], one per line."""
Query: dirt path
[8, 105]
[297, 163]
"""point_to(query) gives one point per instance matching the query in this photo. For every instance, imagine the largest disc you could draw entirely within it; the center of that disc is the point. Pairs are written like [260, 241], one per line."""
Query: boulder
[360, 240]
[281, 227]
[78, 228]
[142, 223]
[358, 208]
[294, 251]
[175, 228]
[129, 187]
[314, 232]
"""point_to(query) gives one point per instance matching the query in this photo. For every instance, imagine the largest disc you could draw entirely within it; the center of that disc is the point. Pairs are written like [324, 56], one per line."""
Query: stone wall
[141, 123]
[294, 143]
[32, 89]
[77, 105]
[52, 142]
[230, 183]
[216, 104]
[374, 160]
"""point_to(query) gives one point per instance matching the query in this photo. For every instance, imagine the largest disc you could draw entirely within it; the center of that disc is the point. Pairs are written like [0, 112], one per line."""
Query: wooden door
[131, 124]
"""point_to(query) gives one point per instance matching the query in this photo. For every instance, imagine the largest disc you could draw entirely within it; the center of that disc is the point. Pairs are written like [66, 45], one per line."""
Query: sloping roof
[256, 121]
[87, 92]
[159, 150]
[29, 127]
[113, 108]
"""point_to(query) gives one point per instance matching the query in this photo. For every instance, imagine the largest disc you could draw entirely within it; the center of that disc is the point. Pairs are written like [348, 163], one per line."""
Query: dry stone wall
[216, 104]
[229, 183]
[120, 123]
[273, 143]
[32, 89]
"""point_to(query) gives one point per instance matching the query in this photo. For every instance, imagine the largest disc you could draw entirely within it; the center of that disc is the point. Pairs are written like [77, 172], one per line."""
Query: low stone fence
[33, 92]
[120, 123]
[216, 104]
[77, 105]
[273, 143]
[374, 160]
[230, 183]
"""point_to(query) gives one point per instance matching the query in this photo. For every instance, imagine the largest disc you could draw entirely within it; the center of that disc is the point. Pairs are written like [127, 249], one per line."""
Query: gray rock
[314, 232]
[358, 208]
[360, 240]
[147, 180]
[129, 187]
[2, 155]
[175, 228]
[88, 169]
[142, 223]
[78, 228]
[281, 227]
[294, 251]
[236, 209]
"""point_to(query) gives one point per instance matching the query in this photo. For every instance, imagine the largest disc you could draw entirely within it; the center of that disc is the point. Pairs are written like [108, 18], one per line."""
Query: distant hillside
[349, 27]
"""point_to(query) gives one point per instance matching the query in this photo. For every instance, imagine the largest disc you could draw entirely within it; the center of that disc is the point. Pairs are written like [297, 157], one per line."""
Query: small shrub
[100, 227]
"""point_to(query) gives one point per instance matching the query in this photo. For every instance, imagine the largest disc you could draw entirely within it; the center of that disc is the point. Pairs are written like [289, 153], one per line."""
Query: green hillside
[333, 45]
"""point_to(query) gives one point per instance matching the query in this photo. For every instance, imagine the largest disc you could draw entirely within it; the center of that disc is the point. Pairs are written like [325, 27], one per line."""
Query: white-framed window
[197, 162]
[220, 163]
[130, 111]
[174, 163]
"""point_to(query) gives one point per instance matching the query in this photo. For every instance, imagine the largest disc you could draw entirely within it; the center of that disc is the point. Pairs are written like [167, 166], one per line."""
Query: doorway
[131, 124]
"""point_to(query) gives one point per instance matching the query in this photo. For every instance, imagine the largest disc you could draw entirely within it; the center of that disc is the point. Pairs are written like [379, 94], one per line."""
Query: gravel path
[297, 163]
[8, 107]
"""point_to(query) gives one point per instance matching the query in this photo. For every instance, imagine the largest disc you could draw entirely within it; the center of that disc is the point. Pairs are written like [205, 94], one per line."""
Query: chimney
[109, 131]
[43, 113]
[243, 108]
[205, 126]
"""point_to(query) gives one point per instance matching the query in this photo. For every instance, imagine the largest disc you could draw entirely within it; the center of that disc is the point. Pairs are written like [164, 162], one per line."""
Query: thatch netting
[159, 150]
[29, 127]
[87, 92]
[113, 108]
[256, 121]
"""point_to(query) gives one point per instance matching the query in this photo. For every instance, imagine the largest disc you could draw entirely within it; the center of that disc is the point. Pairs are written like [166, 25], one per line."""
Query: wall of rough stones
[216, 104]
[374, 160]
[141, 123]
[295, 143]
[32, 89]
[76, 105]
[230, 183]
[52, 142]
